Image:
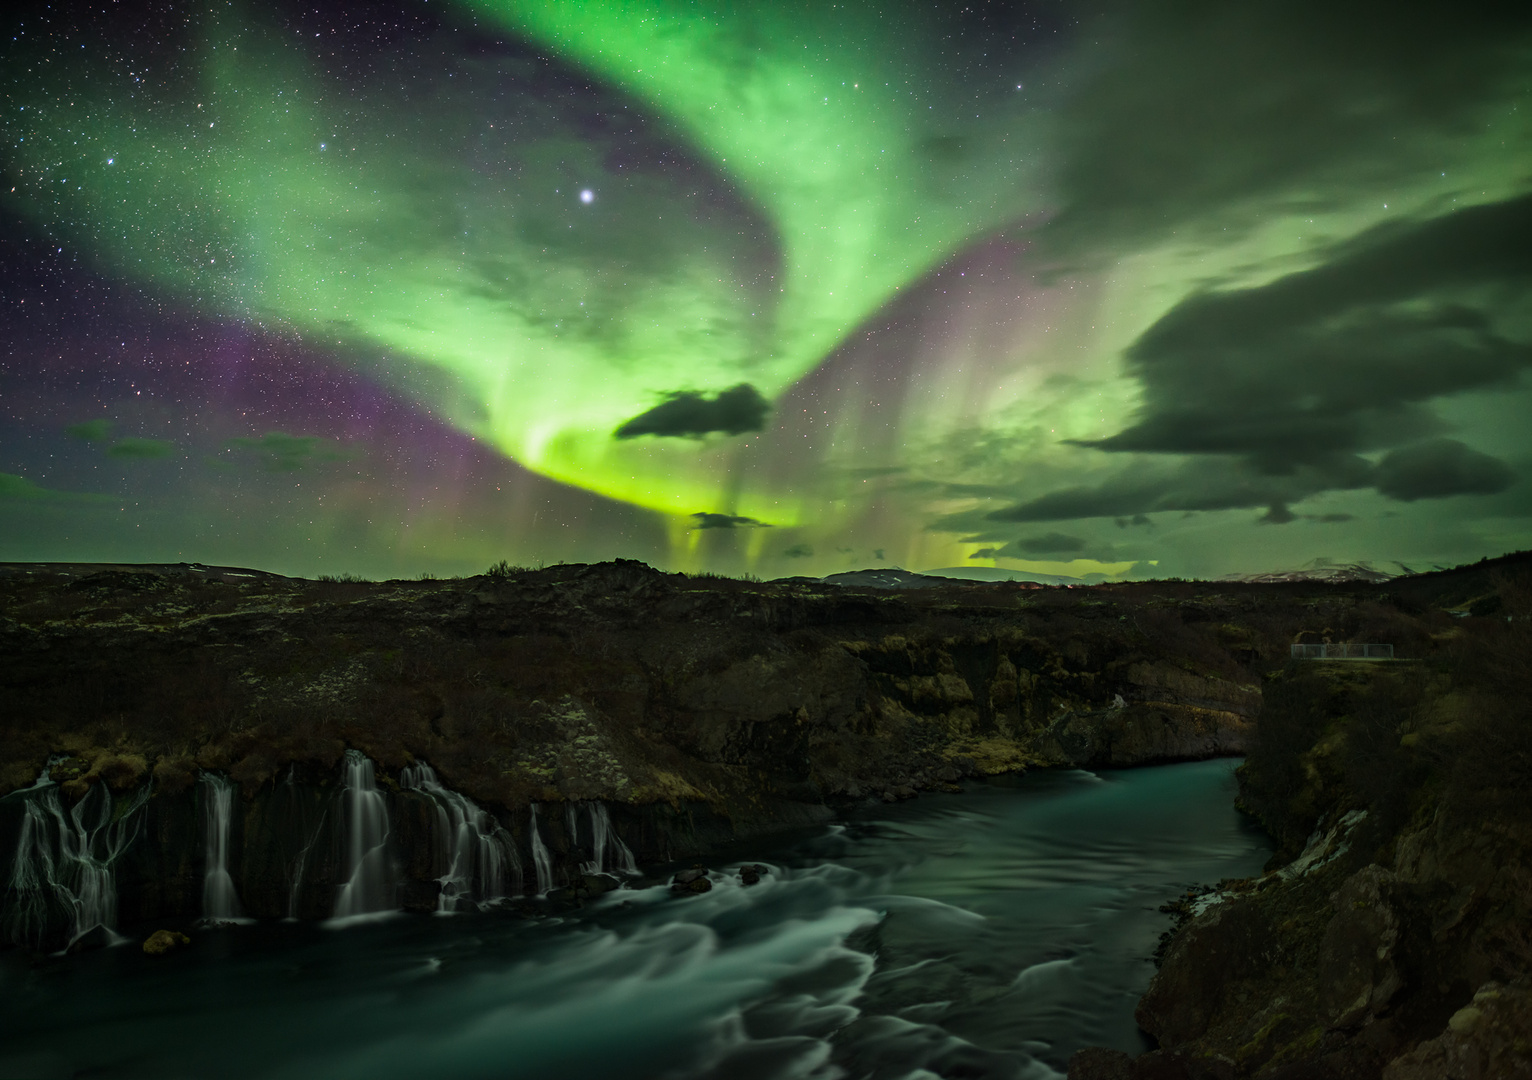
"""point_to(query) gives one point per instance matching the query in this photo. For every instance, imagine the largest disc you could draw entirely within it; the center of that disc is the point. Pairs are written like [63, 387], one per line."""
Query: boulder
[164, 941]
[694, 885]
[1484, 1040]
[596, 884]
[1358, 977]
[1100, 1063]
[1224, 944]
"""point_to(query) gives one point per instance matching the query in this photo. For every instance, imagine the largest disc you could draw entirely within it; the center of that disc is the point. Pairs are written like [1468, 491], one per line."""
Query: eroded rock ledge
[1392, 936]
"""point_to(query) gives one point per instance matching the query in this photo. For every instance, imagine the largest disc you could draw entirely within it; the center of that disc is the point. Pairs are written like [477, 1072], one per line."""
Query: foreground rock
[163, 941]
[1392, 936]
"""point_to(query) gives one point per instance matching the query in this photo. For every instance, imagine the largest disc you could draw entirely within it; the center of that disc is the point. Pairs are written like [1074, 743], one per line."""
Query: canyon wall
[695, 711]
[1392, 935]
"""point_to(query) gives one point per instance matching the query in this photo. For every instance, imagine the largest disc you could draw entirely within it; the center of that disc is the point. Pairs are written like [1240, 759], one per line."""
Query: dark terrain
[704, 710]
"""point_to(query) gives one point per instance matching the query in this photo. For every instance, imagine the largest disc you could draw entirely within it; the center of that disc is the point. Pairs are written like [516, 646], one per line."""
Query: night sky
[1143, 290]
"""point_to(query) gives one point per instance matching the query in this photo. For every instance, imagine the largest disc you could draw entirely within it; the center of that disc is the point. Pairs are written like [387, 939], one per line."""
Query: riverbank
[1392, 934]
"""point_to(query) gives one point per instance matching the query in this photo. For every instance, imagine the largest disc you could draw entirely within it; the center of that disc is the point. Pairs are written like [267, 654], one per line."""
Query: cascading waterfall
[540, 861]
[296, 866]
[65, 860]
[219, 900]
[369, 885]
[572, 824]
[295, 888]
[473, 853]
[607, 849]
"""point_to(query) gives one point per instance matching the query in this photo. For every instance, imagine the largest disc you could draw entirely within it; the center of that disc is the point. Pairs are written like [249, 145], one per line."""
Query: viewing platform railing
[1343, 651]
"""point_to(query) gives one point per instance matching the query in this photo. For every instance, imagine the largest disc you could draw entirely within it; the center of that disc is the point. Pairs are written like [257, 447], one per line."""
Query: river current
[984, 934]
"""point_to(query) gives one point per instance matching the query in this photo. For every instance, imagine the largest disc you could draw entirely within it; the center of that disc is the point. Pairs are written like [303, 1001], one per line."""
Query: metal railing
[1343, 651]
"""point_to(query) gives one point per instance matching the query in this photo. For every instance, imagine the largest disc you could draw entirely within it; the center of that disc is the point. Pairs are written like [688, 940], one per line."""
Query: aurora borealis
[1125, 289]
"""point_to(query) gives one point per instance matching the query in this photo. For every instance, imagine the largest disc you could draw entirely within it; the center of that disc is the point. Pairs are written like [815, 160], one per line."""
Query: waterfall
[572, 824]
[64, 861]
[219, 900]
[295, 890]
[474, 854]
[607, 849]
[369, 886]
[540, 861]
[295, 867]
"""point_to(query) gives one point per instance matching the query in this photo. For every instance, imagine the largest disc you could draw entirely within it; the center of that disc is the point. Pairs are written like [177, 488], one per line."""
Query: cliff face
[1392, 936]
[695, 710]
[610, 682]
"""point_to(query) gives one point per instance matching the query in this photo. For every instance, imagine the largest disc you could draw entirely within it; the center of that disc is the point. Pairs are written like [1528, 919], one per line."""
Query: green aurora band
[460, 265]
[774, 185]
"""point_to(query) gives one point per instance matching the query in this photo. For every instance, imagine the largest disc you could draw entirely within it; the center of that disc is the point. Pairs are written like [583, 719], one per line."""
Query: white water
[475, 857]
[220, 902]
[67, 859]
[369, 887]
[607, 849]
[540, 861]
[299, 863]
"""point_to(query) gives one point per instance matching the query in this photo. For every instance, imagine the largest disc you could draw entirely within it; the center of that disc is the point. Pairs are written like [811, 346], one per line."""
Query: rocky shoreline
[687, 713]
[1392, 934]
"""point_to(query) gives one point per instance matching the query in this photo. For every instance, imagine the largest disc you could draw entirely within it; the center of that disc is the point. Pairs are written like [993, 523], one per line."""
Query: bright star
[587, 196]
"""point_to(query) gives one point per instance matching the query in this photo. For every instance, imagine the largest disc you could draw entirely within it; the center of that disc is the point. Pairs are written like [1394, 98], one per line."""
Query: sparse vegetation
[504, 571]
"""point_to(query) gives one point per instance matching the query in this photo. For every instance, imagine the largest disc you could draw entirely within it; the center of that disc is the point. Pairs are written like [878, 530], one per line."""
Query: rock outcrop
[1392, 934]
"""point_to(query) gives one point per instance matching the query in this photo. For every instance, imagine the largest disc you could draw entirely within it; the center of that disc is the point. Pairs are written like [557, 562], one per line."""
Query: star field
[1109, 290]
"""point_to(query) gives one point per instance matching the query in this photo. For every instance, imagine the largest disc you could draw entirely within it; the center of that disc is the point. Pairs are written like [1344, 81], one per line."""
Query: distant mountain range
[1322, 570]
[894, 577]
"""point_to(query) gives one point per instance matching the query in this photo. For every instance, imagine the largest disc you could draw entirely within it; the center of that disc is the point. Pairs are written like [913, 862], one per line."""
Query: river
[983, 934]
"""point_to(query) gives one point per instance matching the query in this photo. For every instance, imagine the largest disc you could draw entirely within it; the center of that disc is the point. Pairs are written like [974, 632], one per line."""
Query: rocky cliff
[1392, 935]
[690, 711]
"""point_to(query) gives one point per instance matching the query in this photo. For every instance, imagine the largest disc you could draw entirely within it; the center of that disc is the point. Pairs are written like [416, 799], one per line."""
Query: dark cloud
[690, 414]
[142, 449]
[281, 452]
[799, 551]
[91, 431]
[1215, 483]
[877, 553]
[1136, 519]
[20, 489]
[1342, 357]
[1272, 394]
[1331, 519]
[726, 521]
[1439, 468]
[1433, 469]
[1048, 544]
[96, 431]
[1207, 106]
